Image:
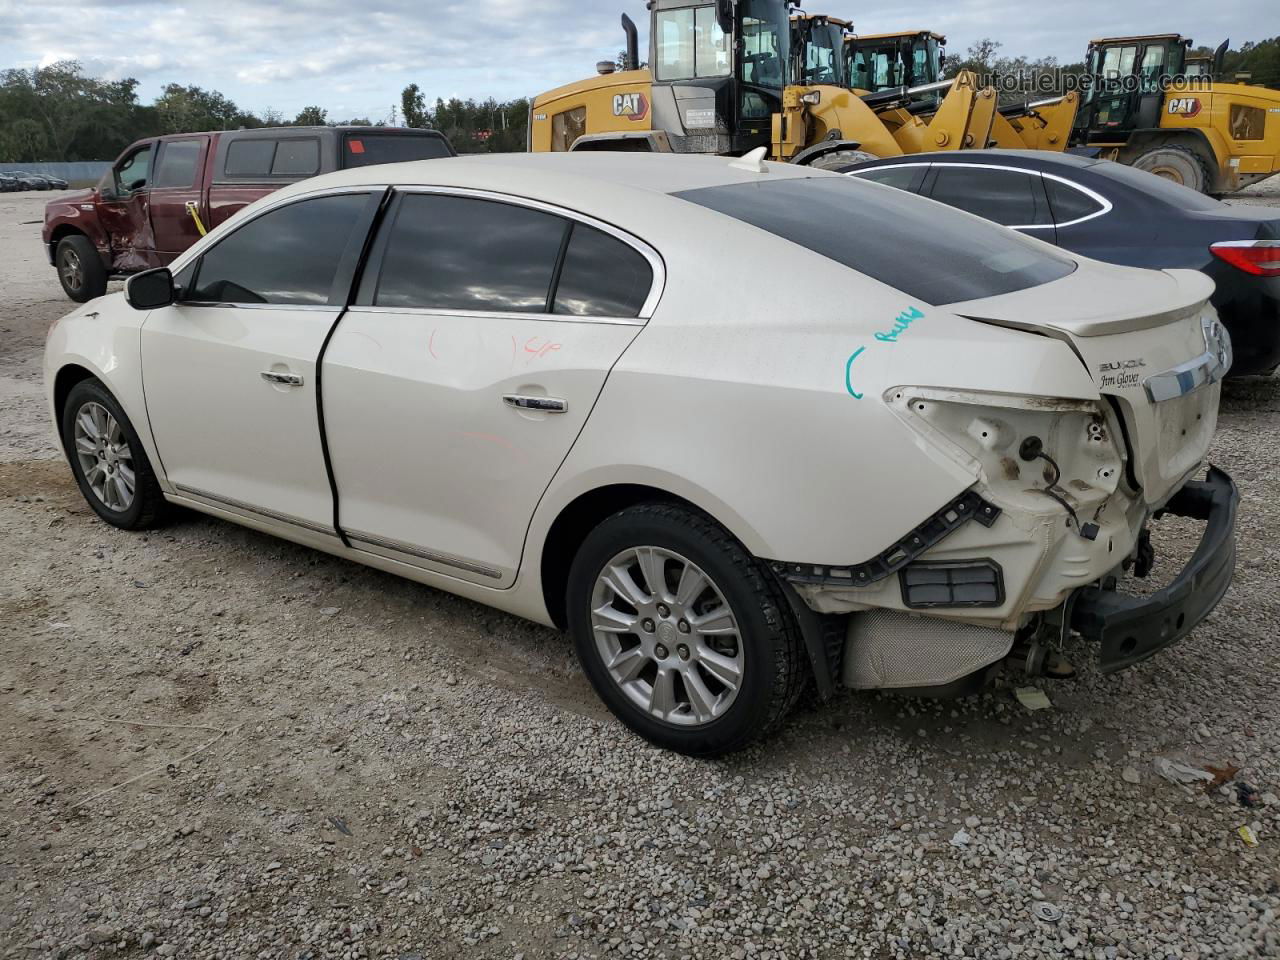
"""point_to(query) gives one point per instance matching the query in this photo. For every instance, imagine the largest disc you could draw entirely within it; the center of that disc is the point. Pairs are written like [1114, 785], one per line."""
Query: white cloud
[290, 54]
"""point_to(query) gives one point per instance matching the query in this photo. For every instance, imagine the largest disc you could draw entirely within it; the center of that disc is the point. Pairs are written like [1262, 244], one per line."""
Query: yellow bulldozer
[730, 76]
[1147, 105]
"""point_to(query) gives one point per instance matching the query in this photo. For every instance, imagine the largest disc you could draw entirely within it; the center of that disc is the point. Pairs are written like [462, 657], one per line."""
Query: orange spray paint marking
[539, 347]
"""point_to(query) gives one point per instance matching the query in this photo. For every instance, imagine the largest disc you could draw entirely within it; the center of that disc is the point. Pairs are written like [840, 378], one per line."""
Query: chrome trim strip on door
[656, 263]
[1107, 206]
[443, 559]
[257, 511]
[498, 315]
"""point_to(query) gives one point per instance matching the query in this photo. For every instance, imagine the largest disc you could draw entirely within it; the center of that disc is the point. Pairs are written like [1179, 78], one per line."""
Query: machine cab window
[691, 44]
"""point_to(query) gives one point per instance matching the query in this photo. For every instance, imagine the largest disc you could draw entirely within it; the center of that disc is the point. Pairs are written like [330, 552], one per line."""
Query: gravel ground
[216, 744]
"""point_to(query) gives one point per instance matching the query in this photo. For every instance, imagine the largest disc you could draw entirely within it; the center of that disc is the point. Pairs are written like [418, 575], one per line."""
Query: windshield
[691, 44]
[892, 63]
[824, 56]
[366, 149]
[926, 63]
[924, 249]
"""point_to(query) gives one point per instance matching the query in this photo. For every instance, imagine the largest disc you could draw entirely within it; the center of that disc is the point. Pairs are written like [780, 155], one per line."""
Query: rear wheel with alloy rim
[107, 459]
[684, 635]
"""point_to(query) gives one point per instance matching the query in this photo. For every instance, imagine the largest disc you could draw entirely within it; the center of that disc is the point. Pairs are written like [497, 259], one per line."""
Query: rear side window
[287, 256]
[1004, 196]
[178, 162]
[299, 157]
[296, 158]
[927, 251]
[1068, 203]
[602, 276]
[364, 150]
[901, 177]
[459, 253]
[250, 158]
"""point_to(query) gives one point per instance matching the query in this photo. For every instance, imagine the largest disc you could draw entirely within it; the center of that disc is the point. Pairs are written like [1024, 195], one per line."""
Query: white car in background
[734, 425]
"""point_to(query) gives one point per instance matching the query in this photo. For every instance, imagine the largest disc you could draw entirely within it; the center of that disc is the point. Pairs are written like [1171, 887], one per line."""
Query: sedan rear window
[926, 250]
[365, 150]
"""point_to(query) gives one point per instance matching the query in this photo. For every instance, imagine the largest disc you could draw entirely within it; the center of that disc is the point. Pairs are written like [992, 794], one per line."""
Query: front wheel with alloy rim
[80, 269]
[684, 635]
[107, 459]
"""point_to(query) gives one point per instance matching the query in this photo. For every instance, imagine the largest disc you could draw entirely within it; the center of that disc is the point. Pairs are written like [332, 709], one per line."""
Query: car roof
[567, 177]
[1037, 159]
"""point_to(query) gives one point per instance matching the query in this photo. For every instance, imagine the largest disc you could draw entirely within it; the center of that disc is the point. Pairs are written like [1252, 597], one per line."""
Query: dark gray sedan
[1121, 215]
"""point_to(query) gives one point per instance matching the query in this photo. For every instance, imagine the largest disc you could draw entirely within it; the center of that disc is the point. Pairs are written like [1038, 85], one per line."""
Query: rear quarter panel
[739, 396]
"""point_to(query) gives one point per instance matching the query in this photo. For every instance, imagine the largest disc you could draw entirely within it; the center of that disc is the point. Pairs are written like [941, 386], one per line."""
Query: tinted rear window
[364, 150]
[250, 158]
[1159, 188]
[926, 250]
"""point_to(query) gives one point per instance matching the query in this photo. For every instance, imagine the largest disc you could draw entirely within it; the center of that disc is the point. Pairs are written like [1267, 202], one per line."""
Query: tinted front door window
[288, 256]
[178, 161]
[132, 174]
[457, 253]
[900, 177]
[1001, 195]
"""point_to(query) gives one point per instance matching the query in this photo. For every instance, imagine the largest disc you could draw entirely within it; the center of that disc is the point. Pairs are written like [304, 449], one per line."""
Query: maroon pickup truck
[151, 204]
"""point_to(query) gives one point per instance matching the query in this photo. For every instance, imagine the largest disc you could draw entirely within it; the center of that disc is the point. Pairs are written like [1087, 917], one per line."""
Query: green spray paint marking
[901, 325]
[848, 384]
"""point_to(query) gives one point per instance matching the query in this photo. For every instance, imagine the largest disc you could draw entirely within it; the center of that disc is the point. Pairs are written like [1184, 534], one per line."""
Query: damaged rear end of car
[1057, 524]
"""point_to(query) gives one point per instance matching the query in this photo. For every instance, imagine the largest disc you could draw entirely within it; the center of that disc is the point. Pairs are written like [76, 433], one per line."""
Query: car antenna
[752, 162]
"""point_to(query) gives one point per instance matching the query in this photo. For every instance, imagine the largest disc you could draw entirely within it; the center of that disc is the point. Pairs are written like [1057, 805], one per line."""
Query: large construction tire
[1179, 164]
[842, 161]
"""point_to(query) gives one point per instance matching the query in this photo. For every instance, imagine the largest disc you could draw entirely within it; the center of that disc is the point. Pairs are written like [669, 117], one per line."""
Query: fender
[810, 154]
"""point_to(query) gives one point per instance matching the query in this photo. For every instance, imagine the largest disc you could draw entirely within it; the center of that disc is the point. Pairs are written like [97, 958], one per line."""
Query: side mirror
[150, 290]
[724, 15]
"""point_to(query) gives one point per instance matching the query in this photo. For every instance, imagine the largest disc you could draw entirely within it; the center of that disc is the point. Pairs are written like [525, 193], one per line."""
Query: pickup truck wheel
[686, 637]
[80, 269]
[107, 459]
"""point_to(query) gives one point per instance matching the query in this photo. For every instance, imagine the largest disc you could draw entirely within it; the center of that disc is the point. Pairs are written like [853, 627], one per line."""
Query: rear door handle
[540, 404]
[283, 379]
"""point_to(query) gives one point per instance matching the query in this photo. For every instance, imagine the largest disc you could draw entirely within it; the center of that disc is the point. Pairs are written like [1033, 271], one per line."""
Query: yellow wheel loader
[881, 62]
[731, 76]
[1143, 108]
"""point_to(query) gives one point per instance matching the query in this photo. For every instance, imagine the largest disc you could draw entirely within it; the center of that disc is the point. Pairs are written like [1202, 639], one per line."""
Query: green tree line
[59, 113]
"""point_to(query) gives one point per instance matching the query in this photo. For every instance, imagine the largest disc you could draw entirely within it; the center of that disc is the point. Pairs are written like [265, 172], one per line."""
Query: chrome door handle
[282, 379]
[540, 404]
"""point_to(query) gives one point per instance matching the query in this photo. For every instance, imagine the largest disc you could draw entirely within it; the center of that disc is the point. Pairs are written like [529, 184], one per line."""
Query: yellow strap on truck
[193, 208]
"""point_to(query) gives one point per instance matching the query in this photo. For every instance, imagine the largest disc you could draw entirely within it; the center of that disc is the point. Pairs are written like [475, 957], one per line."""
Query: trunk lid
[1152, 344]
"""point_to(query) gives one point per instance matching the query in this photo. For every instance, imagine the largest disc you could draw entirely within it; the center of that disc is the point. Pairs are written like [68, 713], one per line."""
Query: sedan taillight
[1261, 258]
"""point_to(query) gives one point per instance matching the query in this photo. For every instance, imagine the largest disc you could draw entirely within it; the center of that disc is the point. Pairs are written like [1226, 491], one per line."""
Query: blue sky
[354, 59]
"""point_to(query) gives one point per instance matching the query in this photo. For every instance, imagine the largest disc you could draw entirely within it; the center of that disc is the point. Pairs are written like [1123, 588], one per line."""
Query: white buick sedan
[738, 427]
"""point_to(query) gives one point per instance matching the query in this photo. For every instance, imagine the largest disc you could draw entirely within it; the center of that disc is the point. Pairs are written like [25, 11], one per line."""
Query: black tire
[80, 269]
[842, 161]
[1179, 164]
[774, 669]
[148, 508]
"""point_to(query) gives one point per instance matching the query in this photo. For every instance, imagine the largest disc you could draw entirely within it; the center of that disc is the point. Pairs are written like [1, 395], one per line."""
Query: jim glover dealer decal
[633, 106]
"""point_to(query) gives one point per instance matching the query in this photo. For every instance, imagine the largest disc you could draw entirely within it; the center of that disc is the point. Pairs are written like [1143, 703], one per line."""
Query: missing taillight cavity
[1260, 258]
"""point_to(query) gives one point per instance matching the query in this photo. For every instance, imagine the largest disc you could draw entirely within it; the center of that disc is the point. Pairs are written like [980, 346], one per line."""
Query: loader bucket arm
[964, 118]
[1042, 125]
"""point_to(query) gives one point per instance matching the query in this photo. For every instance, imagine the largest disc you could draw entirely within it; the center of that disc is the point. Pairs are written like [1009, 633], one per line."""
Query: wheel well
[577, 520]
[66, 379]
[63, 231]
